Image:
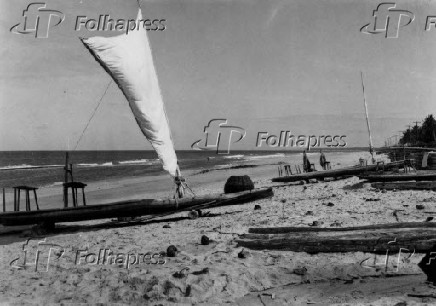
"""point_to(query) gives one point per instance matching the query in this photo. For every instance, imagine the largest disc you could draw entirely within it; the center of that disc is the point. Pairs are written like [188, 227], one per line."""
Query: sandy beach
[70, 271]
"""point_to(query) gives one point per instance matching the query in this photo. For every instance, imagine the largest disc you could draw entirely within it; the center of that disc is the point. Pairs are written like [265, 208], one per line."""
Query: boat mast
[367, 120]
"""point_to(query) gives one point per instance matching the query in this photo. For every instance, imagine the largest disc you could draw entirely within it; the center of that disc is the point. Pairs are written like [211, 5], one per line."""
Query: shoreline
[214, 274]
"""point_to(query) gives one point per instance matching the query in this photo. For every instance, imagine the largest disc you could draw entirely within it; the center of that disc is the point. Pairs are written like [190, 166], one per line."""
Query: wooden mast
[367, 120]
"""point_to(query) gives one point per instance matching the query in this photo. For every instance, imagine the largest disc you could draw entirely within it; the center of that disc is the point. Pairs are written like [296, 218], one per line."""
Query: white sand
[264, 277]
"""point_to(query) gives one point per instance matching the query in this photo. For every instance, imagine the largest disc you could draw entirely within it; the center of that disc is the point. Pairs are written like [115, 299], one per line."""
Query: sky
[262, 65]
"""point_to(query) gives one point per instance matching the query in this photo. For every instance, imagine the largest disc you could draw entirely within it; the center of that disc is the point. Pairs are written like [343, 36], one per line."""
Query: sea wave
[265, 156]
[95, 164]
[136, 162]
[25, 166]
[239, 156]
[87, 165]
[132, 162]
[227, 166]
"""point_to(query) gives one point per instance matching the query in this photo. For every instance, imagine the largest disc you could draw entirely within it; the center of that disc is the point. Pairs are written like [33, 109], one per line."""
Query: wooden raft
[415, 236]
[400, 177]
[412, 185]
[129, 208]
[348, 171]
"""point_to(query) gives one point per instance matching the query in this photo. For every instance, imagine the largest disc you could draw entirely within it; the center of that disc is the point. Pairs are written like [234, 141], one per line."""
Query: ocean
[45, 168]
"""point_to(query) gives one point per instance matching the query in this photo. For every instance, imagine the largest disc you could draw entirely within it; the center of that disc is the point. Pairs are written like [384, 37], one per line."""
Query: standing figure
[322, 160]
[306, 163]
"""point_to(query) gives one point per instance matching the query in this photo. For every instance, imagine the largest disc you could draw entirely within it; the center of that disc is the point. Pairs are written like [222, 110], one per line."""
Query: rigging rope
[93, 114]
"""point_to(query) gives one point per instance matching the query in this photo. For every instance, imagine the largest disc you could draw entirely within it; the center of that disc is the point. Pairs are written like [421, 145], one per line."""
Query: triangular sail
[128, 59]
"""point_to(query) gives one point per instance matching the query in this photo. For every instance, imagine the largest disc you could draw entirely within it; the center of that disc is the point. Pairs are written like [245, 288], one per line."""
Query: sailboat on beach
[128, 60]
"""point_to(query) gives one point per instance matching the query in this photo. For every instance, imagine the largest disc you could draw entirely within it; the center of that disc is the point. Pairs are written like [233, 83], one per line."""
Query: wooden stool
[327, 165]
[312, 167]
[74, 186]
[279, 168]
[288, 170]
[297, 169]
[26, 189]
[409, 163]
[382, 164]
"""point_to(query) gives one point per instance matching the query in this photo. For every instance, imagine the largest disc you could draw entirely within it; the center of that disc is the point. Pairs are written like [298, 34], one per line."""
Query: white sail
[128, 59]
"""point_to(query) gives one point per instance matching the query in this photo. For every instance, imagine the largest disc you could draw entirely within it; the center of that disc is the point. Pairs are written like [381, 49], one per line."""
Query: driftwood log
[374, 239]
[426, 185]
[335, 173]
[399, 177]
[283, 230]
[130, 208]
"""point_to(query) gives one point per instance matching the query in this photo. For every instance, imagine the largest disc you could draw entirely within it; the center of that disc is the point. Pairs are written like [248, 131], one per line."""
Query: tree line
[423, 135]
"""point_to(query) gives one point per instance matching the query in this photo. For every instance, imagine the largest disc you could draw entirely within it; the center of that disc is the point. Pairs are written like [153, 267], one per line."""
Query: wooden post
[66, 179]
[15, 199]
[4, 201]
[36, 199]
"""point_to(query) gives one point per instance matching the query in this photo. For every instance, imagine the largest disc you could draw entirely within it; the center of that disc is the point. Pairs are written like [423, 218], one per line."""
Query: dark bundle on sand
[428, 265]
[238, 184]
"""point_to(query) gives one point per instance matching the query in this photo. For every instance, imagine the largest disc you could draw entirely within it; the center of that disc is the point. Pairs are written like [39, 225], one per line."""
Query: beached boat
[405, 185]
[131, 208]
[335, 173]
[128, 61]
[399, 177]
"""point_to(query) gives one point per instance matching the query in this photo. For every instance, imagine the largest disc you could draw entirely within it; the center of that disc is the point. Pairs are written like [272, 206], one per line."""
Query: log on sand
[335, 173]
[431, 185]
[418, 237]
[284, 230]
[129, 208]
[399, 177]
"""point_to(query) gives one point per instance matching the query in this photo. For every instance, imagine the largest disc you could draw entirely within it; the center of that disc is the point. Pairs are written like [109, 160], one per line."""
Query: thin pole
[416, 134]
[66, 179]
[4, 201]
[367, 120]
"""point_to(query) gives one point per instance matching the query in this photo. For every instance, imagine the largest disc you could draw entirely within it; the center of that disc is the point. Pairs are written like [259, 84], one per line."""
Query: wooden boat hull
[399, 177]
[349, 171]
[131, 208]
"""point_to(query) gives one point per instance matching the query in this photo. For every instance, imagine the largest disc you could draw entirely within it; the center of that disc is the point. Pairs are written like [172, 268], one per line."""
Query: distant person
[306, 163]
[322, 160]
